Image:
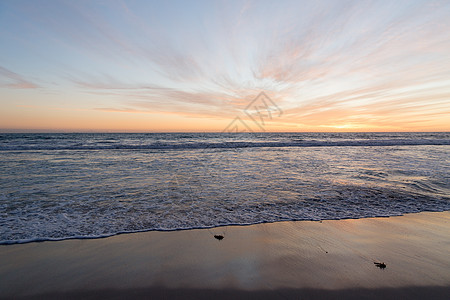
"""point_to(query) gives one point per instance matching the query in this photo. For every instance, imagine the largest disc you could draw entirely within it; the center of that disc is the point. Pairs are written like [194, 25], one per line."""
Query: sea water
[59, 186]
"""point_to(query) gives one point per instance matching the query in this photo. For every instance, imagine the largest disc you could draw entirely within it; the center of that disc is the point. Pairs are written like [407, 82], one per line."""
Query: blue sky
[195, 65]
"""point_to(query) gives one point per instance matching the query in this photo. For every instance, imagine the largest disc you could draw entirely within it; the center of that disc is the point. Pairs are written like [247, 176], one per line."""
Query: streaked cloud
[13, 80]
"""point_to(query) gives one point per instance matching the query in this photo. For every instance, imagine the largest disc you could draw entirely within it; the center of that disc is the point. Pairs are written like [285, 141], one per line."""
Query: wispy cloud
[13, 80]
[107, 82]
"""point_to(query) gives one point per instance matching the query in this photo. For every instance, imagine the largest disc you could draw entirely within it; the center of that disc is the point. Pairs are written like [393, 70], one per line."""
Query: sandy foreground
[285, 260]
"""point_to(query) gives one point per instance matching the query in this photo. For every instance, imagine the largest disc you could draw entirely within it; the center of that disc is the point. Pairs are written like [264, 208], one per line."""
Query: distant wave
[102, 145]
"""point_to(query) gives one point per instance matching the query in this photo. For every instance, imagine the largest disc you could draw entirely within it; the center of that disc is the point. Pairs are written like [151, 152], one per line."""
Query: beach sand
[285, 260]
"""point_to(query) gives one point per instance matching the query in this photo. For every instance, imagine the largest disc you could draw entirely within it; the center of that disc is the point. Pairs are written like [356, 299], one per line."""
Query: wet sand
[285, 260]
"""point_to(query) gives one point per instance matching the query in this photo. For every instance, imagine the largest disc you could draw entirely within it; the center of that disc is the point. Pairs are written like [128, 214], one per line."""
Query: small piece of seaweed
[380, 265]
[218, 236]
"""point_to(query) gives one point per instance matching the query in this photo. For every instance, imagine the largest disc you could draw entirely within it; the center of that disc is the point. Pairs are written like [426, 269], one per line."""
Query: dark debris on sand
[219, 237]
[380, 265]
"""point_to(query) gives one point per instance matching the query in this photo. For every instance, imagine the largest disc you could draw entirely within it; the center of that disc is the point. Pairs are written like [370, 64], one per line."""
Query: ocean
[58, 186]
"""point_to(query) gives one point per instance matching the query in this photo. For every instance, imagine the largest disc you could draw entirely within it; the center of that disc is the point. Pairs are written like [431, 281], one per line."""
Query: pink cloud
[13, 80]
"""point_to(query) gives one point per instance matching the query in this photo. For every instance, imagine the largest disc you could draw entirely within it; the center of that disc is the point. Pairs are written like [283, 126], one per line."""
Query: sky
[186, 66]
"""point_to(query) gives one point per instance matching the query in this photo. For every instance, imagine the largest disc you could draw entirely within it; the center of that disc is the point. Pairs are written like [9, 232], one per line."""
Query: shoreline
[327, 259]
[42, 240]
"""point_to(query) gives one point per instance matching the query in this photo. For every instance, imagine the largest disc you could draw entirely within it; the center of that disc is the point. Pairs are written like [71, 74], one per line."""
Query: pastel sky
[196, 65]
